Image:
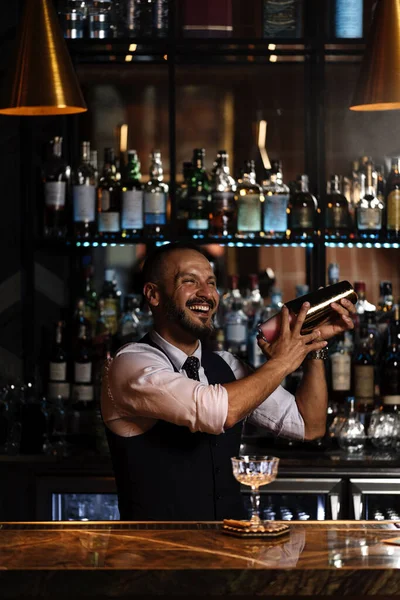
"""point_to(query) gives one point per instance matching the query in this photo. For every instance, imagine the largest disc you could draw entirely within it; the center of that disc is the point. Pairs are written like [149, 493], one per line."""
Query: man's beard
[179, 316]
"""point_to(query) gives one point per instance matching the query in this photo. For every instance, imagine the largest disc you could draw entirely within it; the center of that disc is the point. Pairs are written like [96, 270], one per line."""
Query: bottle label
[349, 19]
[302, 217]
[58, 371]
[275, 215]
[109, 221]
[336, 217]
[84, 202]
[393, 211]
[364, 382]
[197, 224]
[223, 201]
[55, 389]
[54, 194]
[369, 218]
[249, 213]
[82, 393]
[341, 372]
[391, 399]
[132, 209]
[105, 200]
[236, 332]
[155, 205]
[82, 372]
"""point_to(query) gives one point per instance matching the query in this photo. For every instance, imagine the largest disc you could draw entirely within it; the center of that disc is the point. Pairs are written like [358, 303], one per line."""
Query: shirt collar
[176, 356]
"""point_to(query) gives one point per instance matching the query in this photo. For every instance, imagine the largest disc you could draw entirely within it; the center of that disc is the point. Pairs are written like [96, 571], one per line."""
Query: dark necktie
[191, 366]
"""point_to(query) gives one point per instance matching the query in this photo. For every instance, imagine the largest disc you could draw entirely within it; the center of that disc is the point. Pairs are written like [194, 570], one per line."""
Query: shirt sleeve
[278, 413]
[143, 384]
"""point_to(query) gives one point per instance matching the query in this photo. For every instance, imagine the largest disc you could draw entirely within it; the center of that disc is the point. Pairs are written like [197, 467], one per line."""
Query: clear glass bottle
[109, 197]
[223, 205]
[370, 208]
[302, 211]
[236, 330]
[249, 199]
[148, 18]
[337, 216]
[129, 329]
[276, 199]
[55, 176]
[351, 435]
[84, 195]
[198, 196]
[73, 15]
[100, 19]
[155, 199]
[393, 202]
[132, 197]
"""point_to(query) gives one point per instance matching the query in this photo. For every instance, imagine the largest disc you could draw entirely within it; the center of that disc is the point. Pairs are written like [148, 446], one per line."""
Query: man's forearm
[246, 394]
[312, 398]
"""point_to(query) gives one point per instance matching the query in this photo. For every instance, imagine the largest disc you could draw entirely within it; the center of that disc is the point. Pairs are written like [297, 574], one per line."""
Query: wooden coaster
[244, 529]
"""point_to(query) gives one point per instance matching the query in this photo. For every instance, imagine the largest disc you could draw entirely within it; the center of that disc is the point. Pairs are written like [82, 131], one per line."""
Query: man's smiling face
[188, 292]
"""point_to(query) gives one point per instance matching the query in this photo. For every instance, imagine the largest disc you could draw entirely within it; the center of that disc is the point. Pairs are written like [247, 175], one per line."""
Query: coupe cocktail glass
[255, 471]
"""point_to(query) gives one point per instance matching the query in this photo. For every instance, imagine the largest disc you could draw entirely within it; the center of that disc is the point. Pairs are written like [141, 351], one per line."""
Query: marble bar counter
[130, 560]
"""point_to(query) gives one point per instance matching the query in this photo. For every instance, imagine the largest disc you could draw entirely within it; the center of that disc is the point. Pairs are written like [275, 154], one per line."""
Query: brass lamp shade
[41, 79]
[378, 86]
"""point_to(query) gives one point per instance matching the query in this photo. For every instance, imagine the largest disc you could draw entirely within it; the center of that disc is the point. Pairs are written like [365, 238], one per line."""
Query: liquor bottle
[363, 372]
[384, 311]
[101, 346]
[348, 18]
[282, 19]
[390, 373]
[337, 216]
[357, 191]
[89, 294]
[370, 209]
[109, 196]
[129, 329]
[132, 197]
[232, 295]
[340, 368]
[73, 19]
[198, 196]
[182, 208]
[155, 198]
[253, 302]
[276, 199]
[333, 273]
[223, 205]
[236, 330]
[393, 202]
[148, 18]
[100, 22]
[94, 163]
[55, 177]
[82, 389]
[58, 385]
[302, 210]
[112, 303]
[362, 303]
[249, 199]
[84, 195]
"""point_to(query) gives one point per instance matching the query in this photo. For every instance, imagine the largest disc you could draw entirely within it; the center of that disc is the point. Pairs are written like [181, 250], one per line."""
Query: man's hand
[340, 322]
[291, 348]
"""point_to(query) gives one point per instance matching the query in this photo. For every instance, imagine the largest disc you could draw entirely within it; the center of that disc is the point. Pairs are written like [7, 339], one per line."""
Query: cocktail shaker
[320, 310]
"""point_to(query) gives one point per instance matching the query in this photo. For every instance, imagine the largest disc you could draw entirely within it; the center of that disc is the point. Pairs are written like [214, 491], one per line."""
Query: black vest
[171, 474]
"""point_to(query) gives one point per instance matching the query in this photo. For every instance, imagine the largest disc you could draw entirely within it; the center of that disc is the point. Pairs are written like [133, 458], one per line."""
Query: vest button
[219, 497]
[217, 470]
[215, 444]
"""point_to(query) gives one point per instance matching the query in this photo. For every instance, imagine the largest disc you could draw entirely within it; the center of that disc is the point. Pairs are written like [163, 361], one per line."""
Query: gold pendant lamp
[378, 86]
[41, 79]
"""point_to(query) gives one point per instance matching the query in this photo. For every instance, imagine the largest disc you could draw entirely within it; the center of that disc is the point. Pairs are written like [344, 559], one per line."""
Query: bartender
[174, 410]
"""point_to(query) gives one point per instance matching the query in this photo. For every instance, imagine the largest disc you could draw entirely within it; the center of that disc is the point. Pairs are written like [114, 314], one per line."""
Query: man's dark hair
[152, 269]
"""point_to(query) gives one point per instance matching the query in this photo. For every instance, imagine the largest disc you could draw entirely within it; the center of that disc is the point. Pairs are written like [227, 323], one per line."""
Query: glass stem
[255, 506]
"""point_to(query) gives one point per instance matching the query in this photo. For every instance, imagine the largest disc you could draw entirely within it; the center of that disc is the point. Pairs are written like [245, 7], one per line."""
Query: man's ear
[152, 294]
